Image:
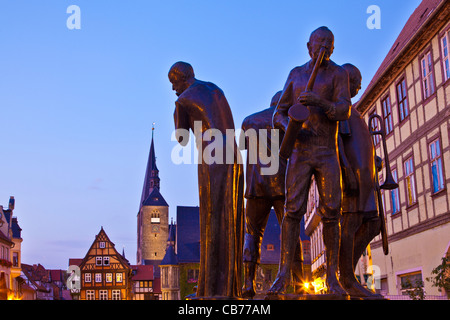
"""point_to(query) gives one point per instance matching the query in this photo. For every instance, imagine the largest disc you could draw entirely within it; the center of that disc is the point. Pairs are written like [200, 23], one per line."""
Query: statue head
[181, 75]
[354, 77]
[321, 37]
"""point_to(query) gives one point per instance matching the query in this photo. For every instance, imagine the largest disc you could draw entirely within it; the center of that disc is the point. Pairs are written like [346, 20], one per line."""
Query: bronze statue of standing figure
[263, 191]
[202, 107]
[360, 221]
[315, 153]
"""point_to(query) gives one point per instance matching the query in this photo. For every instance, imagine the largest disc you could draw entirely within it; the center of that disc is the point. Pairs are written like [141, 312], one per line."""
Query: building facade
[104, 273]
[10, 254]
[411, 93]
[144, 284]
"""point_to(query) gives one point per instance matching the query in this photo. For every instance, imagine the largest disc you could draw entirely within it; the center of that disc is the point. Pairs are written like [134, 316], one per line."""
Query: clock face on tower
[155, 228]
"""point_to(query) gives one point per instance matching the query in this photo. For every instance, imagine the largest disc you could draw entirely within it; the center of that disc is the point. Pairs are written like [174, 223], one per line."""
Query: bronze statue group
[331, 144]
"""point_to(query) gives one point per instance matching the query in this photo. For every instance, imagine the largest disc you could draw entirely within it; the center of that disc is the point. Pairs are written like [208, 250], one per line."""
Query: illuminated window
[427, 75]
[15, 261]
[103, 295]
[119, 277]
[395, 199]
[437, 175]
[116, 295]
[155, 218]
[90, 295]
[410, 182]
[108, 277]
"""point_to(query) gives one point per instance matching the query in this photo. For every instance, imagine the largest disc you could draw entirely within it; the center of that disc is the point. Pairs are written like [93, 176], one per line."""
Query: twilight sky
[77, 106]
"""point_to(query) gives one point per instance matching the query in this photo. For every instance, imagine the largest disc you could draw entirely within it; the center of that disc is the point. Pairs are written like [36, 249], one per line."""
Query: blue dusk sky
[77, 105]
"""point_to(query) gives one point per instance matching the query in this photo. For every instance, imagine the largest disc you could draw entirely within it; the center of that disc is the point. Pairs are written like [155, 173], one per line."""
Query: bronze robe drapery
[220, 191]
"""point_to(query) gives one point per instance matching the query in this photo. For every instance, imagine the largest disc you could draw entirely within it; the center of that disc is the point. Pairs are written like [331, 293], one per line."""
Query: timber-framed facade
[105, 274]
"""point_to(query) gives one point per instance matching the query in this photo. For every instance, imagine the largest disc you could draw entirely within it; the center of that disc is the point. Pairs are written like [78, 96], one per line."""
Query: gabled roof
[155, 199]
[102, 236]
[422, 17]
[142, 272]
[57, 275]
[75, 261]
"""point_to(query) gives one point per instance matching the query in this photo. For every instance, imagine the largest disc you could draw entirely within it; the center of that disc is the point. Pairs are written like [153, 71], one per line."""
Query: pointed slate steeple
[151, 182]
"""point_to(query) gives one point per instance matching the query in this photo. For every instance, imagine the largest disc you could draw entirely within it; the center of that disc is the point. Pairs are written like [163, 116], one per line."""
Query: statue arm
[181, 119]
[341, 109]
[280, 117]
[337, 110]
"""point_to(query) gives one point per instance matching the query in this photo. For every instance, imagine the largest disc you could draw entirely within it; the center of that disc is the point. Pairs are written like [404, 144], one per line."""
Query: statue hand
[309, 98]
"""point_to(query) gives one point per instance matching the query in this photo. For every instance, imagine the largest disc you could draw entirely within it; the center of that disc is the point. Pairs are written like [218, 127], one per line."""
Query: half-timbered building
[411, 93]
[105, 273]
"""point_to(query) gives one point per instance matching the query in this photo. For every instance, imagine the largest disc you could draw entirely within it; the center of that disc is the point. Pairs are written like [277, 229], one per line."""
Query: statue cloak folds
[220, 189]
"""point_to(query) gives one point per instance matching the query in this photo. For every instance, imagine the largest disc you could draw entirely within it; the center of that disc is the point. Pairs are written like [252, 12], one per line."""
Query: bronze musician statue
[314, 153]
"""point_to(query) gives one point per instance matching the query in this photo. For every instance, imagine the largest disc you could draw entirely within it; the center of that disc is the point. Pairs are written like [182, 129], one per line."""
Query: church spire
[152, 173]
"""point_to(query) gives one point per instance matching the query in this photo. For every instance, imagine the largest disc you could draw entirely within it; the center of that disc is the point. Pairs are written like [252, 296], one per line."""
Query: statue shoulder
[297, 70]
[258, 119]
[337, 69]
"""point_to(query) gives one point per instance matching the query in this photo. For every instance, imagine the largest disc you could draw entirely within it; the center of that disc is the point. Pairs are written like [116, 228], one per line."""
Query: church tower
[153, 216]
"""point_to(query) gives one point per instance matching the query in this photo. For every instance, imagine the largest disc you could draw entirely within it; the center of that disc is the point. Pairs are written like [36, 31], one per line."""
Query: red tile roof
[142, 272]
[75, 262]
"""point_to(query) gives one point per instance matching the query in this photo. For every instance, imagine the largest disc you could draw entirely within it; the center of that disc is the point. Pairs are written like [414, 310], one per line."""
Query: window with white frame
[90, 295]
[87, 277]
[395, 197]
[98, 277]
[106, 261]
[402, 99]
[410, 281]
[427, 75]
[98, 261]
[410, 182]
[102, 244]
[445, 54]
[387, 115]
[116, 295]
[103, 295]
[119, 277]
[437, 173]
[108, 277]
